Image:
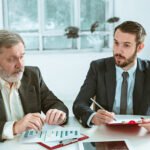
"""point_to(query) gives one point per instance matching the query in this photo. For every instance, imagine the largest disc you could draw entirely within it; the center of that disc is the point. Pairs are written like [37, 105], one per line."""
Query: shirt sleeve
[8, 130]
[89, 120]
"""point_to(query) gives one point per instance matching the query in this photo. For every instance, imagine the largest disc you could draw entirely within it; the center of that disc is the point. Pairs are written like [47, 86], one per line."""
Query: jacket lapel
[138, 88]
[28, 96]
[110, 82]
[2, 109]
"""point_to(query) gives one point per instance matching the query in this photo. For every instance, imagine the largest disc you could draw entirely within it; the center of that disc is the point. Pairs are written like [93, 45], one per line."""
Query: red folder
[129, 122]
[83, 137]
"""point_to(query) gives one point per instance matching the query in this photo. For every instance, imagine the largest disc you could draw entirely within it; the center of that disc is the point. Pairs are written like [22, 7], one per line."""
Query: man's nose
[19, 64]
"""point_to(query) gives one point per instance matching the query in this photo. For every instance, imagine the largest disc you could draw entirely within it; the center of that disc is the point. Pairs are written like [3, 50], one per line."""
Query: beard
[127, 61]
[11, 78]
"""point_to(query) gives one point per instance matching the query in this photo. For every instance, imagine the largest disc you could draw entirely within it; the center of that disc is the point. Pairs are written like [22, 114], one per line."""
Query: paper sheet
[54, 133]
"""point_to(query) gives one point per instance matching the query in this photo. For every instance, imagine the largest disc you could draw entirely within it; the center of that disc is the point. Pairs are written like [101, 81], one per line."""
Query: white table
[138, 137]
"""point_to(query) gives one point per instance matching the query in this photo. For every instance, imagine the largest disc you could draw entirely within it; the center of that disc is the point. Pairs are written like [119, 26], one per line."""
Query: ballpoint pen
[99, 106]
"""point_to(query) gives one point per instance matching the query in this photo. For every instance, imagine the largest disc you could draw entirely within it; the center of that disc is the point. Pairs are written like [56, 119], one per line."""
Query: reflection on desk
[137, 136]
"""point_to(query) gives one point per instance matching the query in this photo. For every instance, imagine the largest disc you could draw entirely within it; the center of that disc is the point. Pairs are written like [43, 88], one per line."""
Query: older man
[23, 93]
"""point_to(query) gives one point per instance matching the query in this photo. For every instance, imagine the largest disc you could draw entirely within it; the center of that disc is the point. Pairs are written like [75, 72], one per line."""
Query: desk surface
[137, 136]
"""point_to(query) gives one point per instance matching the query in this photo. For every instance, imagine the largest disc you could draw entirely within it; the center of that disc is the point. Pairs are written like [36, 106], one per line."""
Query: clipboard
[63, 143]
[126, 122]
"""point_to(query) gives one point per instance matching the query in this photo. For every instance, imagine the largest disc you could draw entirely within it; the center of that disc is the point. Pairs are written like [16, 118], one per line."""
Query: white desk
[15, 145]
[138, 137]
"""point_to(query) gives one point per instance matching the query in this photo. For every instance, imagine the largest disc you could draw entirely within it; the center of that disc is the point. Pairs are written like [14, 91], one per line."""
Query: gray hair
[9, 39]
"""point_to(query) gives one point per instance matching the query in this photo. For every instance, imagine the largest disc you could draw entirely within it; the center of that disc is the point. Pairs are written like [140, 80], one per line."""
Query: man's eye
[116, 43]
[126, 45]
[10, 60]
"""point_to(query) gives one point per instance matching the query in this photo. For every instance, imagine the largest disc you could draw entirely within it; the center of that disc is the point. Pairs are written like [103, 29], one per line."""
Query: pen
[68, 141]
[99, 106]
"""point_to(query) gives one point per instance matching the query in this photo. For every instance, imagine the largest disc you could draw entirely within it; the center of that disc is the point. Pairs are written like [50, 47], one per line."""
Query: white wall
[64, 73]
[136, 10]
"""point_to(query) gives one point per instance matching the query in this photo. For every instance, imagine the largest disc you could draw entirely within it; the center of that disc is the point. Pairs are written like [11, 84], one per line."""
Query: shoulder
[31, 71]
[104, 62]
[143, 64]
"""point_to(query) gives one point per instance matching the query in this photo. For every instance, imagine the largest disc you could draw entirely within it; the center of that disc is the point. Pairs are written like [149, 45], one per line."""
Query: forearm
[82, 113]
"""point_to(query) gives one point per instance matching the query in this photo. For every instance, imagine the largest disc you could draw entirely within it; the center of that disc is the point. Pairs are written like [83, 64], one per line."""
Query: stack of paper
[55, 134]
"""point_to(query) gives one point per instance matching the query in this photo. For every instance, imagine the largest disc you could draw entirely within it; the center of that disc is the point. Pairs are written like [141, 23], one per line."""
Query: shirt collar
[131, 71]
[4, 83]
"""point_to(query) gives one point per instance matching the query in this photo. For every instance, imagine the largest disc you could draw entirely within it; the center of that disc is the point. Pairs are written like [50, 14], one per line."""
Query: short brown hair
[133, 28]
[9, 39]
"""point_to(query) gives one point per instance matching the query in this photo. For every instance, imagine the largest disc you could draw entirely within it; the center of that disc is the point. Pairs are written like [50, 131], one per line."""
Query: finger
[63, 117]
[144, 124]
[104, 119]
[105, 115]
[57, 117]
[50, 116]
[37, 121]
[97, 120]
[31, 125]
[60, 118]
[38, 115]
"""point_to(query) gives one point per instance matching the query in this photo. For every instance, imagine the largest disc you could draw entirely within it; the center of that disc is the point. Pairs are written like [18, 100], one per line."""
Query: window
[42, 23]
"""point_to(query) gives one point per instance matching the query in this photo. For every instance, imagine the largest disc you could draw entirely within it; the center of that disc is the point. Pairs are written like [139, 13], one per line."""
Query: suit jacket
[101, 82]
[35, 96]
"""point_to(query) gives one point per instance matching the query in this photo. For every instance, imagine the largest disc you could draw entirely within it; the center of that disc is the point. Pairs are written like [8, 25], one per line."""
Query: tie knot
[125, 75]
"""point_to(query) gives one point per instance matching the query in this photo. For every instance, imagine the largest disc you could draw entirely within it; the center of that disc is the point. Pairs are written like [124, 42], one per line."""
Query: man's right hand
[102, 117]
[30, 121]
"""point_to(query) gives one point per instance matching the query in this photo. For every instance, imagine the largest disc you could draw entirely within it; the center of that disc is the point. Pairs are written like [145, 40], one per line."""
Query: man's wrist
[14, 128]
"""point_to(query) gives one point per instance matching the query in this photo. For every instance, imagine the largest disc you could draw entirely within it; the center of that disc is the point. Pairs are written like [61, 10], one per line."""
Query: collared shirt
[131, 81]
[13, 106]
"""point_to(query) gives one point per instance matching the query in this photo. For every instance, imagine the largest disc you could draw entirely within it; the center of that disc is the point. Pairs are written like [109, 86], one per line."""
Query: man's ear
[140, 47]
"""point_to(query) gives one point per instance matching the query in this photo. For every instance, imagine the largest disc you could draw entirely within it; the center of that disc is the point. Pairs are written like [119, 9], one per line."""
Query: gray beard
[11, 78]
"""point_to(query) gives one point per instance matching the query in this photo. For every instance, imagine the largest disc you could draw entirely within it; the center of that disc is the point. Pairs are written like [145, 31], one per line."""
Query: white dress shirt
[13, 106]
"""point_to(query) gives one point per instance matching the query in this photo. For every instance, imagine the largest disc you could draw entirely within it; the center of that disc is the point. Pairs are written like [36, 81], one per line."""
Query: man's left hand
[55, 117]
[146, 124]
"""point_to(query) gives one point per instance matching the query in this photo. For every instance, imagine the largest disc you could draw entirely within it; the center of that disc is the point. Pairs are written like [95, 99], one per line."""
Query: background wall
[64, 73]
[136, 10]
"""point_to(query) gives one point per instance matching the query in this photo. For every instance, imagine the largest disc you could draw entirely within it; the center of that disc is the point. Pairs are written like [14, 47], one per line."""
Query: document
[128, 119]
[53, 133]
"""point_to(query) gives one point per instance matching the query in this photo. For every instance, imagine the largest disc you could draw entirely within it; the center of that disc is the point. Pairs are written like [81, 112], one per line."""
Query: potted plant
[74, 32]
[97, 41]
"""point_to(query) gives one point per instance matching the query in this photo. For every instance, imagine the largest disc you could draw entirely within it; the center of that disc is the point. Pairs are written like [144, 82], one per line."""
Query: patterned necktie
[124, 89]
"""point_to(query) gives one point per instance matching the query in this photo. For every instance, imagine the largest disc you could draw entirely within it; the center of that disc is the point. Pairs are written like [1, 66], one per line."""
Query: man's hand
[146, 124]
[102, 117]
[30, 121]
[55, 117]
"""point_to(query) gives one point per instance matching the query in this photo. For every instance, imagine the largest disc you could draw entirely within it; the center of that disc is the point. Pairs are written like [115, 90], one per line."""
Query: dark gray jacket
[101, 82]
[35, 96]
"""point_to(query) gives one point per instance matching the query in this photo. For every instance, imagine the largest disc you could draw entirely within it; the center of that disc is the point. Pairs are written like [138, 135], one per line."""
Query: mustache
[119, 55]
[19, 70]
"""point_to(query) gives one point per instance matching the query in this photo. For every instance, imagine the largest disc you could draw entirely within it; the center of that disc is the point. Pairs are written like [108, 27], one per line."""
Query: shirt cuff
[8, 130]
[89, 123]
